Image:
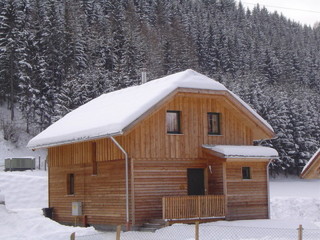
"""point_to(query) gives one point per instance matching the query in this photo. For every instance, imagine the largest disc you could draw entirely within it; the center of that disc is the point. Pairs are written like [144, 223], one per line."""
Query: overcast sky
[303, 11]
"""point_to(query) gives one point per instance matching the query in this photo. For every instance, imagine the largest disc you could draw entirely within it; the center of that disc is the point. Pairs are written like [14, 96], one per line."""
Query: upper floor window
[214, 123]
[173, 121]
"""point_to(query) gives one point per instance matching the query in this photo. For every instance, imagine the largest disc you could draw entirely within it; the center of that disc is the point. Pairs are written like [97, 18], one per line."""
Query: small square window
[70, 184]
[246, 173]
[173, 122]
[214, 123]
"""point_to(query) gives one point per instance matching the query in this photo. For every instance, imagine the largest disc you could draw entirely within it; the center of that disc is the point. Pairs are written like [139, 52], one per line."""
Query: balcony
[193, 207]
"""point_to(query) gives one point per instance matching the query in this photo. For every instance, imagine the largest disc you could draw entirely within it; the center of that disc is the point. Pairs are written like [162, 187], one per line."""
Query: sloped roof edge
[306, 170]
[110, 114]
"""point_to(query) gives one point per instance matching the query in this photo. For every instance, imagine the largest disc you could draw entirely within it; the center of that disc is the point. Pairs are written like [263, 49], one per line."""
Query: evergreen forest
[56, 55]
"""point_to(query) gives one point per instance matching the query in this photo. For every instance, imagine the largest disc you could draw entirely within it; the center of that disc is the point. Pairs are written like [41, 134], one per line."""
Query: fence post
[300, 229]
[73, 236]
[197, 231]
[118, 232]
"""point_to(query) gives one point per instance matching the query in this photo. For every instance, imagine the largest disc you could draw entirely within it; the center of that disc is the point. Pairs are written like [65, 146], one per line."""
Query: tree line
[56, 55]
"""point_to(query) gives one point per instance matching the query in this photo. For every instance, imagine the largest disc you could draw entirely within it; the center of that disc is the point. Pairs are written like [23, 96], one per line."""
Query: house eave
[238, 157]
[309, 172]
[84, 139]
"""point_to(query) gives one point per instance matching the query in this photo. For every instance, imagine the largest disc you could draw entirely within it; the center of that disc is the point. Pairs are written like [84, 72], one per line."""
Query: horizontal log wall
[247, 198]
[156, 178]
[102, 195]
[215, 177]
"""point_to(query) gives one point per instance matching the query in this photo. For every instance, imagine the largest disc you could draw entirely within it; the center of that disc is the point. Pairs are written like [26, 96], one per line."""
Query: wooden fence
[242, 232]
[191, 207]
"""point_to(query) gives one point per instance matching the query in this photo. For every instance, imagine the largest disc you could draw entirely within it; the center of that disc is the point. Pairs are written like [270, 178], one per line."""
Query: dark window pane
[246, 173]
[213, 123]
[70, 184]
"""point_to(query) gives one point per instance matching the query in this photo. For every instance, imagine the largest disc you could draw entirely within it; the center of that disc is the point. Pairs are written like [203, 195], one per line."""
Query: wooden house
[312, 168]
[177, 148]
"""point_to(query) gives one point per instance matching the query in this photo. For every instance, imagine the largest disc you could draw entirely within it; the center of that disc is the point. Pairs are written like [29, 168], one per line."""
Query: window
[94, 159]
[70, 184]
[214, 123]
[173, 122]
[246, 173]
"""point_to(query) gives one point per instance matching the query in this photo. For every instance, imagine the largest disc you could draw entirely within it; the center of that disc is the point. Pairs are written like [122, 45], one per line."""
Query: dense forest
[56, 55]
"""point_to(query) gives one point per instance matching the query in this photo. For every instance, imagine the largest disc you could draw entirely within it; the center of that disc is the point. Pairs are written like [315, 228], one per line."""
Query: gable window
[246, 173]
[70, 184]
[173, 121]
[214, 123]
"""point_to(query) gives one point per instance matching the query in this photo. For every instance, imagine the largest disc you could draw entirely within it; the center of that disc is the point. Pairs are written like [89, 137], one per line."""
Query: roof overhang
[102, 117]
[84, 139]
[240, 153]
[312, 168]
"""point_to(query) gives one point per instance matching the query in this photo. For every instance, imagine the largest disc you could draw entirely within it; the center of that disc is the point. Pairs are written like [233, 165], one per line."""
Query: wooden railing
[190, 207]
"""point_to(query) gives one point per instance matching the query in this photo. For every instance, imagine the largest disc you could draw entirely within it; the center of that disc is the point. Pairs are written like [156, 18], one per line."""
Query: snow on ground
[295, 198]
[24, 191]
[9, 150]
[294, 201]
[21, 218]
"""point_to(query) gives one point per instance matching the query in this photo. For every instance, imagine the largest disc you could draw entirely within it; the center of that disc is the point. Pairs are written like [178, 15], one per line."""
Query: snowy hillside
[18, 149]
[293, 202]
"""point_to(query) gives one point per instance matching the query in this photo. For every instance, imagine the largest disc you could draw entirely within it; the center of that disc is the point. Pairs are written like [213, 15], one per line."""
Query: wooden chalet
[177, 148]
[312, 168]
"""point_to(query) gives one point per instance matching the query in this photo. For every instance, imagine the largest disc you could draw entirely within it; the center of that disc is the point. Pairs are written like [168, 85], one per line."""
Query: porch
[184, 208]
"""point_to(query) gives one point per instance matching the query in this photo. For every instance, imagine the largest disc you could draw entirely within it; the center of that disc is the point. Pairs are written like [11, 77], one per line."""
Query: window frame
[178, 117]
[70, 184]
[246, 173]
[210, 122]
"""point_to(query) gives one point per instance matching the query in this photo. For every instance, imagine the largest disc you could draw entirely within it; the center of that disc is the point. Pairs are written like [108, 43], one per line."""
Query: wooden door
[195, 181]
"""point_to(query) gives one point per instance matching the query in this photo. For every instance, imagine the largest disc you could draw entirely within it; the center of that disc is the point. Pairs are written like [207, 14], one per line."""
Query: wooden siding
[188, 207]
[247, 198]
[150, 140]
[312, 170]
[215, 178]
[156, 178]
[159, 163]
[102, 195]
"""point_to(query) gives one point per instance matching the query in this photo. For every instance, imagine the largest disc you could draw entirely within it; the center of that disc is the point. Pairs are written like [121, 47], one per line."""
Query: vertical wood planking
[161, 160]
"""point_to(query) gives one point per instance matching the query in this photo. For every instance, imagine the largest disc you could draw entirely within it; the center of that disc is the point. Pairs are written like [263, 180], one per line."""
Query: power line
[287, 8]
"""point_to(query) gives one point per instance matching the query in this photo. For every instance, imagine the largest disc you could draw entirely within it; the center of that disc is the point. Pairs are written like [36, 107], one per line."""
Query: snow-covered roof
[310, 163]
[243, 151]
[111, 113]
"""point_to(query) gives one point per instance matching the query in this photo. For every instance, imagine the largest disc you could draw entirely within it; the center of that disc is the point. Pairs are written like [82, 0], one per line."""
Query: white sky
[303, 11]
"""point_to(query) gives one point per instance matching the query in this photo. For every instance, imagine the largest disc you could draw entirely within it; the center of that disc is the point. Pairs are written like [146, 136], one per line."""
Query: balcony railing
[193, 207]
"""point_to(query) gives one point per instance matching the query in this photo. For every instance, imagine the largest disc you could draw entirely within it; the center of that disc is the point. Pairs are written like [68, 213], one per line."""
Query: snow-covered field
[293, 202]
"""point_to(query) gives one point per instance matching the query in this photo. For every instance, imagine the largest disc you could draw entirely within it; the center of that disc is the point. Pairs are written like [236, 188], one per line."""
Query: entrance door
[195, 181]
